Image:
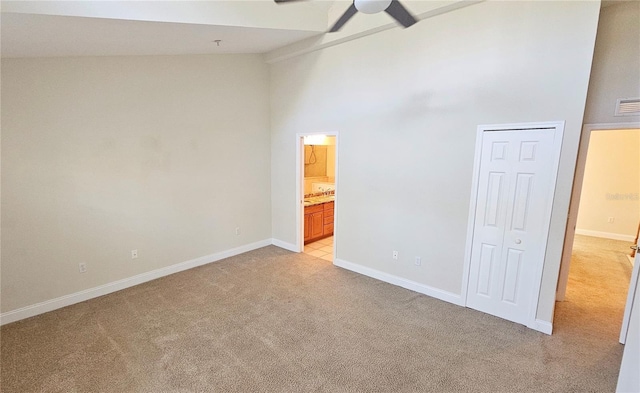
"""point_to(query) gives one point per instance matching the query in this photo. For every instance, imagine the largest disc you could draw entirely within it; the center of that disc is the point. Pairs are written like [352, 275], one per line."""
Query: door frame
[300, 189]
[631, 295]
[574, 206]
[559, 126]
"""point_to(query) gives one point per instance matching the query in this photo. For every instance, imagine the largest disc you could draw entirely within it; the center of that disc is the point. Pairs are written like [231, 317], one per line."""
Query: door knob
[634, 247]
[518, 241]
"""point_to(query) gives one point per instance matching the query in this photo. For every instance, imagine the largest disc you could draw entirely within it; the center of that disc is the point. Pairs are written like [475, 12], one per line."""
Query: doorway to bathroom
[317, 192]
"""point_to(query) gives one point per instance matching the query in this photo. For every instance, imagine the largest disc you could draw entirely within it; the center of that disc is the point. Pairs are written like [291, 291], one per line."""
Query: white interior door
[633, 287]
[515, 187]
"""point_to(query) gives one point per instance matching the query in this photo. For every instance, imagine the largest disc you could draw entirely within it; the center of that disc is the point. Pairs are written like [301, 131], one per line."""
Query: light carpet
[275, 321]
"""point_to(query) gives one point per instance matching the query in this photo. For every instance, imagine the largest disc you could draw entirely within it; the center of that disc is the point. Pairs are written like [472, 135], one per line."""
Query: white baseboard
[606, 235]
[67, 300]
[539, 325]
[401, 282]
[285, 245]
[542, 326]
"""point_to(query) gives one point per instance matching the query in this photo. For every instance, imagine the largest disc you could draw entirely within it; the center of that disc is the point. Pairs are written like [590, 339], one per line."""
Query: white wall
[611, 185]
[166, 155]
[415, 98]
[616, 68]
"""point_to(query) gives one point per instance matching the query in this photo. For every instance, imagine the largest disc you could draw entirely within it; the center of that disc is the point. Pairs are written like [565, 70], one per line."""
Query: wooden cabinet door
[307, 227]
[317, 225]
[328, 219]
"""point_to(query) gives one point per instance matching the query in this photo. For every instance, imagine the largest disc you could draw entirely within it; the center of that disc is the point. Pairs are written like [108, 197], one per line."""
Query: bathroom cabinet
[318, 222]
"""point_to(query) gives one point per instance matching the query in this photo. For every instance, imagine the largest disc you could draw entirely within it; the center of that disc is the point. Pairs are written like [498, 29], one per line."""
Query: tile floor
[321, 249]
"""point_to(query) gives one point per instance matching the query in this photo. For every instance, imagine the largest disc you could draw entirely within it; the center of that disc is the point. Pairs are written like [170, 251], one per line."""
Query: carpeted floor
[597, 289]
[275, 321]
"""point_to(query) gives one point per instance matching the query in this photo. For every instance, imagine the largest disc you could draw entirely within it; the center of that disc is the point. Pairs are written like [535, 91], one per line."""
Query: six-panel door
[509, 239]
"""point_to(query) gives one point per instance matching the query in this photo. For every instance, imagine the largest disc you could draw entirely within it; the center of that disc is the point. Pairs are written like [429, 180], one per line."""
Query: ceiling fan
[391, 7]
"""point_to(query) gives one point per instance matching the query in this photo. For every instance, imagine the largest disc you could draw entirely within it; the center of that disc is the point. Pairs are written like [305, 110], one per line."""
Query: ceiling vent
[627, 107]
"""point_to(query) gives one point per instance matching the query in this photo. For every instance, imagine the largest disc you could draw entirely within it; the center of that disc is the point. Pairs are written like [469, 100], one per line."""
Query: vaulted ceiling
[112, 28]
[103, 28]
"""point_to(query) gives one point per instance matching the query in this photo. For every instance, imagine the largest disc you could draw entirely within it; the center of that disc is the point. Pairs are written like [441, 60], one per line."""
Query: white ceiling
[36, 35]
[63, 28]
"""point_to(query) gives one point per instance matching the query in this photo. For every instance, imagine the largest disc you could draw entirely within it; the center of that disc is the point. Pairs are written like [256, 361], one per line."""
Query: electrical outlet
[418, 261]
[610, 219]
[395, 255]
[134, 254]
[237, 231]
[82, 267]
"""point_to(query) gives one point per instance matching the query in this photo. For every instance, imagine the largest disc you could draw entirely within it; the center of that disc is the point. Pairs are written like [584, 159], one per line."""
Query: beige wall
[308, 182]
[415, 97]
[315, 161]
[611, 186]
[104, 155]
[616, 64]
[331, 162]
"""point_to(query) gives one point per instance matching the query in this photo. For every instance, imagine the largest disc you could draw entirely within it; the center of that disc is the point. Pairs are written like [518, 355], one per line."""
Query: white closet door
[515, 184]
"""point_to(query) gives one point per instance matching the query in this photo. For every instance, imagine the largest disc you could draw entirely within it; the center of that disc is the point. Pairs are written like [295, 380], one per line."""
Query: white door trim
[300, 189]
[557, 146]
[631, 294]
[574, 205]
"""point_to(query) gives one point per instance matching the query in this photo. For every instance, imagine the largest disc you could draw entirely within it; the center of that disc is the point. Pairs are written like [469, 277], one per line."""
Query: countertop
[319, 200]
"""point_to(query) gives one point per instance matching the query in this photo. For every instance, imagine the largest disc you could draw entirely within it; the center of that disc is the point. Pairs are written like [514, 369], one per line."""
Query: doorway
[317, 191]
[604, 217]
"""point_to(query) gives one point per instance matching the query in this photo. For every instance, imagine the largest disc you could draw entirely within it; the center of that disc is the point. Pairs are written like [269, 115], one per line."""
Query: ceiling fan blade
[285, 1]
[399, 13]
[351, 11]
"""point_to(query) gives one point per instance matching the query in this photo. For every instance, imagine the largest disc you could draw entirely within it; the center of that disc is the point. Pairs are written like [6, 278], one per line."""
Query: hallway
[597, 289]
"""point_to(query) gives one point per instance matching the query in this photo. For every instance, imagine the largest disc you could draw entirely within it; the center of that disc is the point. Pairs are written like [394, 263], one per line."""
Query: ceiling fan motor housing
[391, 7]
[371, 6]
